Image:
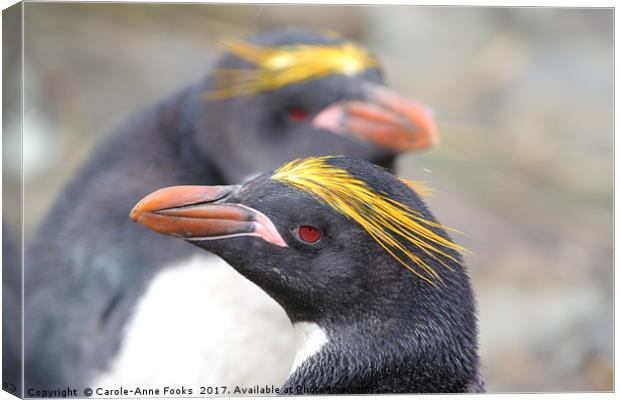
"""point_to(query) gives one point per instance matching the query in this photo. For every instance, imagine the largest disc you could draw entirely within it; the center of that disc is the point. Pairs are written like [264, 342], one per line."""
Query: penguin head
[294, 93]
[327, 237]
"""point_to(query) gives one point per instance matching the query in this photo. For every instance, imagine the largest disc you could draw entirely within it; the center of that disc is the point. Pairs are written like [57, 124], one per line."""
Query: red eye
[309, 234]
[297, 114]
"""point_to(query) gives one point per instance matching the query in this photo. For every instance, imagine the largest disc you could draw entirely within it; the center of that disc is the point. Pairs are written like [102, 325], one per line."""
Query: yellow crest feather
[419, 187]
[284, 65]
[390, 223]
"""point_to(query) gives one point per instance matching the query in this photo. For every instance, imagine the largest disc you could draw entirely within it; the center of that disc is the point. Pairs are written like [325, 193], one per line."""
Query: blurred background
[524, 102]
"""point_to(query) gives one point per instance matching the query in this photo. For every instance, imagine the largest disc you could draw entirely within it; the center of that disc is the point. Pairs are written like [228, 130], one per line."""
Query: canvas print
[205, 200]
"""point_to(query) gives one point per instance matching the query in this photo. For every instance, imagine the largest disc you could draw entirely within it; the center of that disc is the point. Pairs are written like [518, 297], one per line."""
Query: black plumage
[388, 329]
[87, 266]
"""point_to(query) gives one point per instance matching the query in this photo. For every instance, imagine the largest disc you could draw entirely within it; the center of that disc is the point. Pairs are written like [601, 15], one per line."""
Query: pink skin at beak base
[193, 213]
[388, 120]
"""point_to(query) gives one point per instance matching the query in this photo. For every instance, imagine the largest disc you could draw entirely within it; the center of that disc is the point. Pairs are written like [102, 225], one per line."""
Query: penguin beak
[384, 118]
[198, 213]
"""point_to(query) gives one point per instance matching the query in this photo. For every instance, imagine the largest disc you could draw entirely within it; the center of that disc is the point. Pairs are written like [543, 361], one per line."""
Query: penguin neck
[345, 358]
[188, 150]
[311, 338]
[373, 353]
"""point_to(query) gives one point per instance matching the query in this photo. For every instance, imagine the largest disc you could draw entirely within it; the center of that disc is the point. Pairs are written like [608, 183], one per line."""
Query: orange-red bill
[201, 213]
[386, 119]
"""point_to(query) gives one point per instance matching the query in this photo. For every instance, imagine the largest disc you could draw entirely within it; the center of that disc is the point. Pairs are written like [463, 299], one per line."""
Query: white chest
[310, 339]
[201, 323]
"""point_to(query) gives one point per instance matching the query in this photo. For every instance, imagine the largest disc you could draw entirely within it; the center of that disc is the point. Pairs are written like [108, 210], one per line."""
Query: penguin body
[375, 287]
[88, 268]
[233, 311]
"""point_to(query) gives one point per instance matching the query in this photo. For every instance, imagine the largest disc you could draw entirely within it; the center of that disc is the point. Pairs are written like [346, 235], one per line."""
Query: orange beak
[198, 213]
[386, 119]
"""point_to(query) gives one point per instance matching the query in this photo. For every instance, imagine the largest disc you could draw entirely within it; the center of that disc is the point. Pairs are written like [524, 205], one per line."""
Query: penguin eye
[296, 114]
[308, 234]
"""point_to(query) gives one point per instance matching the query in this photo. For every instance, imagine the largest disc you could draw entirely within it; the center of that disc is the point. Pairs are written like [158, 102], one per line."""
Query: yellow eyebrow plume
[420, 188]
[390, 223]
[284, 65]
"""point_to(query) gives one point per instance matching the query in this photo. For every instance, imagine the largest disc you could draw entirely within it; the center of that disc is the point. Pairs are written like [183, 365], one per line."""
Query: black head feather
[389, 330]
